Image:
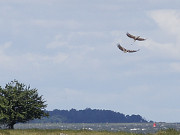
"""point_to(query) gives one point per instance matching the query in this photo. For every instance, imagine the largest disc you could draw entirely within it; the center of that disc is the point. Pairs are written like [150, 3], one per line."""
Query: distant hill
[89, 116]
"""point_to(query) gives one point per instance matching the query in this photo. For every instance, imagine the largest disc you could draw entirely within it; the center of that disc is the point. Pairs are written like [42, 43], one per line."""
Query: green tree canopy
[19, 103]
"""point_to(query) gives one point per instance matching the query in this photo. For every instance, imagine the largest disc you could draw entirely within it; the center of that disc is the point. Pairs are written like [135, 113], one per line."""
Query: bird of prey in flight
[125, 50]
[135, 37]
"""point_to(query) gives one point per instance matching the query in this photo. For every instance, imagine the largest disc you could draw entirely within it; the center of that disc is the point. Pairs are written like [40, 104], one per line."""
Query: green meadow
[78, 132]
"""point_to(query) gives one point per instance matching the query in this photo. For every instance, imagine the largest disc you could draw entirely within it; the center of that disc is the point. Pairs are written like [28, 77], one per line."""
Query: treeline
[89, 116]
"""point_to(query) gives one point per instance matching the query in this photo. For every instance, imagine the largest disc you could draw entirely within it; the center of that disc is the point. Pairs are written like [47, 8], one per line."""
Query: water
[127, 127]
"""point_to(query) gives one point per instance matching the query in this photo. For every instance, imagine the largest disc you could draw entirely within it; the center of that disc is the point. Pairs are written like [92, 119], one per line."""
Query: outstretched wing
[125, 50]
[131, 36]
[131, 51]
[135, 37]
[141, 39]
[121, 48]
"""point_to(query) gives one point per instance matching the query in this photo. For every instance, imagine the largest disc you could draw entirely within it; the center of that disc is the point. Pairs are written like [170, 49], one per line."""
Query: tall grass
[78, 132]
[60, 132]
[170, 131]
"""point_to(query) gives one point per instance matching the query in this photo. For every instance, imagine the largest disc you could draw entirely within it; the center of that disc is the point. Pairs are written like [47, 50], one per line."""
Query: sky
[67, 49]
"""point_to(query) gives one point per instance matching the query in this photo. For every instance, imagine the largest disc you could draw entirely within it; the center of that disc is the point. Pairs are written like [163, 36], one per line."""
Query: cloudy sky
[67, 50]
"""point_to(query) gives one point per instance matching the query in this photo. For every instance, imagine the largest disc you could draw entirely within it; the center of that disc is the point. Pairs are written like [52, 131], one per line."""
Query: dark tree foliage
[90, 116]
[19, 103]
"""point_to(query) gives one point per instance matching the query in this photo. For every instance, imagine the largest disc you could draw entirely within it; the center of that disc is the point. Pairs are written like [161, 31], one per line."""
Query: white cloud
[5, 60]
[169, 23]
[6, 45]
[168, 20]
[56, 44]
[29, 1]
[59, 58]
[175, 66]
[37, 58]
[68, 24]
[163, 49]
[28, 60]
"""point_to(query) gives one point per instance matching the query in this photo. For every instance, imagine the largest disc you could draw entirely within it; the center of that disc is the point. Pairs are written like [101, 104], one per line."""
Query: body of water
[114, 127]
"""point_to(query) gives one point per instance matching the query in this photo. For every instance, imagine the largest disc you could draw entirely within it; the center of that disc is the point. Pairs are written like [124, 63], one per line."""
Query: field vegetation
[78, 132]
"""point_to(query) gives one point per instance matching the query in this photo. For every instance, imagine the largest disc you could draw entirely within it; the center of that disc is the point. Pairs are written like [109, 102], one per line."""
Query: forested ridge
[89, 115]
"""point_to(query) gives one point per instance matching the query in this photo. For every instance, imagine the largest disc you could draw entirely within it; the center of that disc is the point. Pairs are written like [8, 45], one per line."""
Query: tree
[19, 103]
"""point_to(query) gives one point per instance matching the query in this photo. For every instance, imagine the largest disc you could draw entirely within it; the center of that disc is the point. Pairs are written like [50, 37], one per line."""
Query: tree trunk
[11, 126]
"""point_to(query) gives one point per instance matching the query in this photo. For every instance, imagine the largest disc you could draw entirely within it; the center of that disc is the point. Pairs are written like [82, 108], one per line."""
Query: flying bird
[125, 50]
[135, 37]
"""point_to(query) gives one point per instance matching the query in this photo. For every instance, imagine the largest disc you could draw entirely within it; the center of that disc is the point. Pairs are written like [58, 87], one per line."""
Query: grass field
[78, 132]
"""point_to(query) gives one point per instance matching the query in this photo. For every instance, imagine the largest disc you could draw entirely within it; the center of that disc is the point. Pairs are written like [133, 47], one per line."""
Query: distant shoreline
[113, 127]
